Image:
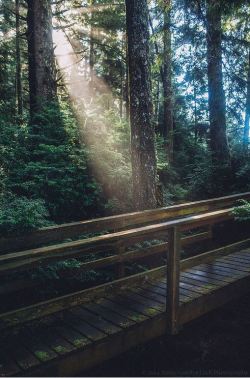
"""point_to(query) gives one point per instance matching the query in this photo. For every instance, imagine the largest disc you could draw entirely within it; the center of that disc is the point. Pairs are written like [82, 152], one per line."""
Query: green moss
[60, 349]
[41, 355]
[80, 342]
[152, 311]
[137, 318]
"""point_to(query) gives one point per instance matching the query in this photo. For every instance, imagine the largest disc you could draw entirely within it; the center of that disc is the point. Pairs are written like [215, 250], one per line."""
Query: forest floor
[217, 344]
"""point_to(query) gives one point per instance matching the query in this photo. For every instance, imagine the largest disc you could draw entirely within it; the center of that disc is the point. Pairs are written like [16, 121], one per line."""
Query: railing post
[173, 278]
[120, 266]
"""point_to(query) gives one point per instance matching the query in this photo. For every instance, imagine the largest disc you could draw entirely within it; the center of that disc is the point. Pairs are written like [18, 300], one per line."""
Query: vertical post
[210, 231]
[173, 278]
[120, 265]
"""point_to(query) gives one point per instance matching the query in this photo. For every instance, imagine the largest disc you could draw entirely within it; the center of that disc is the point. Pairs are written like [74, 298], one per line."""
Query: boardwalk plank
[86, 329]
[190, 295]
[32, 340]
[205, 279]
[161, 290]
[227, 275]
[95, 320]
[236, 267]
[110, 304]
[150, 302]
[71, 335]
[119, 321]
[222, 280]
[203, 283]
[146, 293]
[136, 305]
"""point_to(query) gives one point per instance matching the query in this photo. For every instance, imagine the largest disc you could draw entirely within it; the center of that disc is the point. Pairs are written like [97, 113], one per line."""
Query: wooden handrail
[115, 223]
[33, 257]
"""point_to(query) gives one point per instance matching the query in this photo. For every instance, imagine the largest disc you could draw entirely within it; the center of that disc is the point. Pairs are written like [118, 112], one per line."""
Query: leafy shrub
[20, 214]
[242, 212]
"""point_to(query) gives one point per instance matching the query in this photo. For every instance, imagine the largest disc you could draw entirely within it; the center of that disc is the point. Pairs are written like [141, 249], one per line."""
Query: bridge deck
[69, 341]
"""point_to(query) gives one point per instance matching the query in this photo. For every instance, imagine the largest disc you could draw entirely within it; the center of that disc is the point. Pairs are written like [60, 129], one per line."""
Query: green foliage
[52, 271]
[242, 212]
[20, 214]
[56, 167]
[108, 139]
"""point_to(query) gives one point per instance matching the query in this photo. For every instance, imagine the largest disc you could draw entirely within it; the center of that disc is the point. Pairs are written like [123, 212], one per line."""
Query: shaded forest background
[73, 110]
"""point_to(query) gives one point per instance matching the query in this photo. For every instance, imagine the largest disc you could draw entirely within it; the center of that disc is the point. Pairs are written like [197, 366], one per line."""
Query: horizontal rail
[134, 255]
[115, 223]
[33, 257]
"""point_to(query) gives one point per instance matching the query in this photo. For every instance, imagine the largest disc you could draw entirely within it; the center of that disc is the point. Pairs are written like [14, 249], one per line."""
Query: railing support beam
[173, 279]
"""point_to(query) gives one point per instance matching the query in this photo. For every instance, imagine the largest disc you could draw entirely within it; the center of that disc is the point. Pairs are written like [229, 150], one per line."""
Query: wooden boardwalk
[64, 336]
[74, 339]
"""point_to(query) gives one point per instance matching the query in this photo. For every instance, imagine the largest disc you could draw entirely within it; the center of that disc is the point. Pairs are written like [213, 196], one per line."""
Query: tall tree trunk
[127, 82]
[19, 89]
[91, 59]
[217, 107]
[122, 89]
[247, 116]
[167, 83]
[161, 79]
[142, 130]
[42, 70]
[195, 108]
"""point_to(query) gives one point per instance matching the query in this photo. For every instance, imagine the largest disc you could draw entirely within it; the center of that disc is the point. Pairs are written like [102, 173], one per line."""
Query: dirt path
[218, 344]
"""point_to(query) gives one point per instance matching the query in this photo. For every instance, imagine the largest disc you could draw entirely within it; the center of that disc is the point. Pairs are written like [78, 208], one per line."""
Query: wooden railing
[115, 223]
[119, 241]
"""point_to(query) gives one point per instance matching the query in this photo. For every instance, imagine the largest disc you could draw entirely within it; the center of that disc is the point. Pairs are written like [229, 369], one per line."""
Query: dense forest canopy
[110, 106]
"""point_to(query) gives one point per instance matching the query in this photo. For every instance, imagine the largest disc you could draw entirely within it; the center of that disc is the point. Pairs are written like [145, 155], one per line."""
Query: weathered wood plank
[184, 293]
[72, 336]
[161, 289]
[32, 341]
[139, 306]
[223, 279]
[86, 329]
[205, 287]
[211, 255]
[95, 320]
[146, 293]
[214, 299]
[227, 269]
[75, 363]
[119, 321]
[133, 315]
[234, 266]
[152, 304]
[205, 279]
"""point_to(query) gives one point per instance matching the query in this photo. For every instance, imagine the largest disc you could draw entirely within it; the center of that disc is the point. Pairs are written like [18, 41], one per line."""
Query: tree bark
[217, 107]
[167, 83]
[19, 89]
[91, 58]
[247, 116]
[142, 130]
[127, 83]
[42, 71]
